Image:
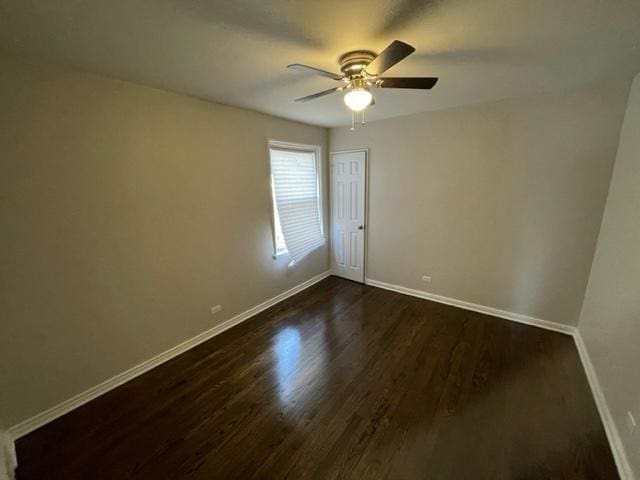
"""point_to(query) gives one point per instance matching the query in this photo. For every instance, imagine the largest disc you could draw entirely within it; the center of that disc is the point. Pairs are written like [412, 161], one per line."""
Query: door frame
[365, 255]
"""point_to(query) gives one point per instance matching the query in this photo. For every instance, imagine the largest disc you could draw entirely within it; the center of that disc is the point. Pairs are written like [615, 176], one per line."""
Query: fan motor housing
[352, 63]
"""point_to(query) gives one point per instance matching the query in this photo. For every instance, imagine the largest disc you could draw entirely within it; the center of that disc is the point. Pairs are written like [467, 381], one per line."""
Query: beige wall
[610, 319]
[126, 213]
[500, 203]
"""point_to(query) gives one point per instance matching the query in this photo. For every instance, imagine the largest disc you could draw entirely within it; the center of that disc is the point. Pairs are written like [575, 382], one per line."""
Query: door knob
[360, 227]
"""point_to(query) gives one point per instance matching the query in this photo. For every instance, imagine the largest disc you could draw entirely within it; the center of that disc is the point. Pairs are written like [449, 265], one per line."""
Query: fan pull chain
[353, 121]
[363, 120]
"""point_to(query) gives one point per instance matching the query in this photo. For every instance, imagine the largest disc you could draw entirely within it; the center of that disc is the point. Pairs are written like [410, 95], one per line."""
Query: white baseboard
[613, 436]
[516, 317]
[8, 461]
[624, 467]
[52, 413]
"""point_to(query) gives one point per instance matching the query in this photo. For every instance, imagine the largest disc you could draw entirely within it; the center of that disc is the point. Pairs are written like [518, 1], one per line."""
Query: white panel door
[348, 174]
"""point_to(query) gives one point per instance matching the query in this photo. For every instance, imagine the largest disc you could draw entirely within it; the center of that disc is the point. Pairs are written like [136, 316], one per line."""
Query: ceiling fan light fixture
[362, 69]
[357, 99]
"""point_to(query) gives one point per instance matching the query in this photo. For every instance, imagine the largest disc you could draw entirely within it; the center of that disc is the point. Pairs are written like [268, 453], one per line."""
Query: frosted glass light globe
[358, 99]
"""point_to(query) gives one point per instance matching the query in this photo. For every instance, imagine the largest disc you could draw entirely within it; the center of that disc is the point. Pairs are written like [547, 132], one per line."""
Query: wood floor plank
[343, 381]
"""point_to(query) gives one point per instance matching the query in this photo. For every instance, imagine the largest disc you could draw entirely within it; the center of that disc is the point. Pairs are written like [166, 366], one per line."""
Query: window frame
[300, 147]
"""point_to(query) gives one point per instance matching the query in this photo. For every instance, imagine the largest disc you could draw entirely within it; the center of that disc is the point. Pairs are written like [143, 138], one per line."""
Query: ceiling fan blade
[319, 94]
[395, 52]
[313, 71]
[422, 83]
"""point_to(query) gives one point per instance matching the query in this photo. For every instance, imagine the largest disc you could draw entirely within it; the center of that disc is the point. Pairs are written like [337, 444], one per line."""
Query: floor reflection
[300, 362]
[288, 351]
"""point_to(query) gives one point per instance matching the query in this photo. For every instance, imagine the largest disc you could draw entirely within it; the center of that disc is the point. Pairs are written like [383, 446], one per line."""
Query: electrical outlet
[631, 423]
[215, 309]
[426, 279]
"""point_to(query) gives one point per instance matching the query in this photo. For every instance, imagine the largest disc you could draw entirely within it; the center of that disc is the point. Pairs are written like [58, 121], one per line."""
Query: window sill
[278, 255]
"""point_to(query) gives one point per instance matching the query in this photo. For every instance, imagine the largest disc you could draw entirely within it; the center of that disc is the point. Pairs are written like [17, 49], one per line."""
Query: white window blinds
[294, 176]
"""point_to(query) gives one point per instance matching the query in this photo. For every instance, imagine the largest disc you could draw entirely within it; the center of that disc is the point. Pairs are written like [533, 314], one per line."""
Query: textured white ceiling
[236, 51]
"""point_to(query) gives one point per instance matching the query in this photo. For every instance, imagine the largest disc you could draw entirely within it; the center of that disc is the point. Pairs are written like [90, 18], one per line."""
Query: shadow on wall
[559, 218]
[538, 273]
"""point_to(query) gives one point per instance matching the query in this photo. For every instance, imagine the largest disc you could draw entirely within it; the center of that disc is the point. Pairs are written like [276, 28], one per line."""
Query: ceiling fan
[361, 71]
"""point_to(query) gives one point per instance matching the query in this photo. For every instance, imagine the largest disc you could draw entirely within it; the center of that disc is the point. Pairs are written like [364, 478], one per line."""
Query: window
[297, 213]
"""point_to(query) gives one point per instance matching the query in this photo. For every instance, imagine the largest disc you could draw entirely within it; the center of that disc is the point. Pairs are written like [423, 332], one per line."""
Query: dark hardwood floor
[343, 381]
